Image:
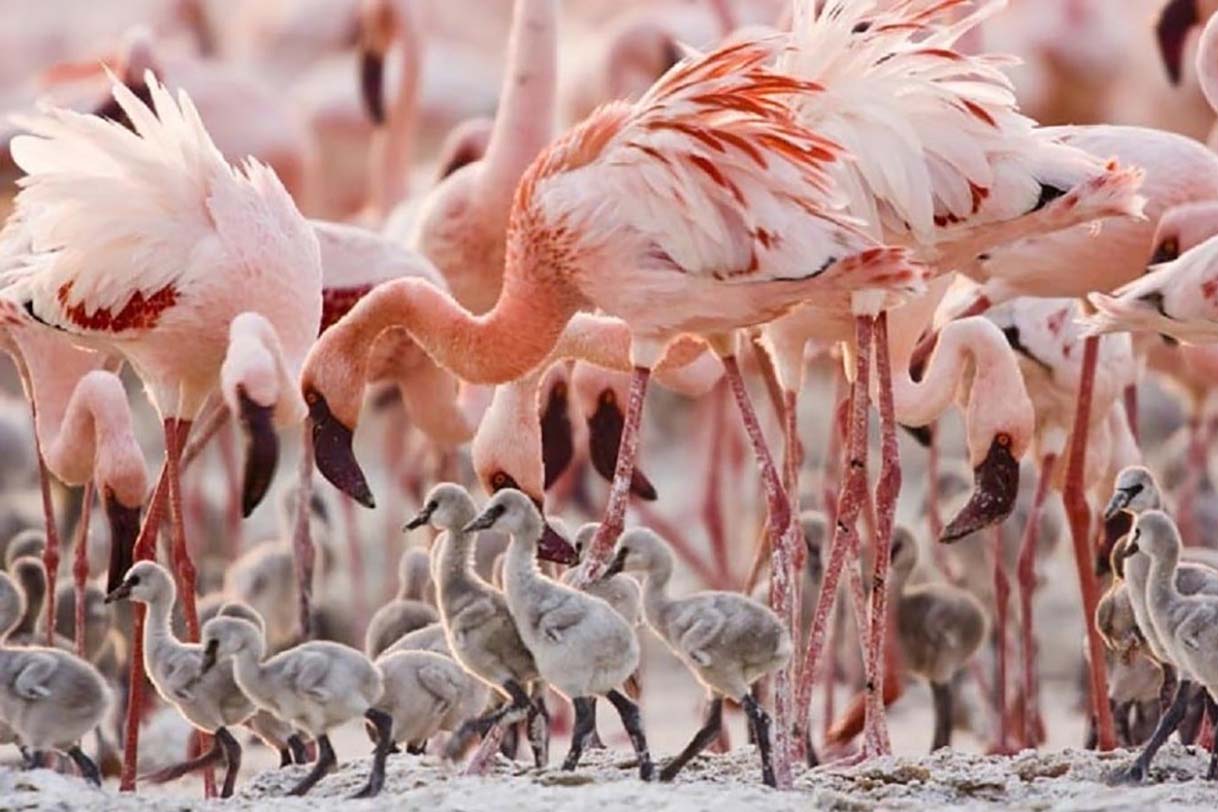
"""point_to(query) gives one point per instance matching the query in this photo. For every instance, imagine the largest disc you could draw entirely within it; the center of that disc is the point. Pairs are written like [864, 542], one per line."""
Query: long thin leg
[705, 735]
[325, 762]
[887, 491]
[1075, 498]
[633, 722]
[538, 724]
[383, 724]
[80, 569]
[303, 553]
[491, 727]
[598, 553]
[783, 532]
[232, 760]
[1168, 722]
[208, 758]
[355, 561]
[50, 553]
[176, 431]
[853, 494]
[1002, 594]
[285, 757]
[760, 722]
[1211, 710]
[88, 770]
[942, 695]
[585, 721]
[1026, 575]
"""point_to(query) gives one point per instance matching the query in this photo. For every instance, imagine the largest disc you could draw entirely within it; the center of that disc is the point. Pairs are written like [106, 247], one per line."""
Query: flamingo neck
[1207, 63]
[524, 124]
[389, 167]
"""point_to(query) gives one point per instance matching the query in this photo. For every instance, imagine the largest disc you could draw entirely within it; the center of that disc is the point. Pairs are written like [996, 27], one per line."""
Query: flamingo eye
[1003, 440]
[499, 481]
[608, 398]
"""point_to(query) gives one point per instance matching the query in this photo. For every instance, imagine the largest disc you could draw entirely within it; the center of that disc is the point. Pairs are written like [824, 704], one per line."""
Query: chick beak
[1175, 21]
[261, 450]
[124, 530]
[1117, 504]
[333, 453]
[209, 656]
[485, 520]
[118, 593]
[421, 518]
[605, 438]
[995, 486]
[557, 438]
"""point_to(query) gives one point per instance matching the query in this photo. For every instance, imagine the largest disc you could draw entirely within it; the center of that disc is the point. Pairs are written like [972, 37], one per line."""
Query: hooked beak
[485, 519]
[333, 454]
[209, 656]
[557, 438]
[1166, 251]
[118, 593]
[372, 84]
[1117, 504]
[1175, 21]
[553, 547]
[124, 530]
[261, 451]
[421, 518]
[925, 435]
[615, 566]
[995, 486]
[605, 437]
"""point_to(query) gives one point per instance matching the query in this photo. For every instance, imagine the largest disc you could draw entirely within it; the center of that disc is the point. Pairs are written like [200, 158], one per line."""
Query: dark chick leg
[417, 749]
[507, 713]
[326, 761]
[704, 736]
[760, 722]
[538, 725]
[1121, 713]
[1211, 710]
[629, 712]
[88, 770]
[383, 724]
[509, 748]
[285, 757]
[585, 721]
[300, 753]
[232, 759]
[1194, 714]
[211, 758]
[1136, 772]
[942, 694]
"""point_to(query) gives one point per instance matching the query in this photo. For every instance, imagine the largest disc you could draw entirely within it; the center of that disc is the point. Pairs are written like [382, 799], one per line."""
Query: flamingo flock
[295, 229]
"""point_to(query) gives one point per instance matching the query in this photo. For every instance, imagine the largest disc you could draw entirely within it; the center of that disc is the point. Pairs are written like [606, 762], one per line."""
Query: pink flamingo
[1177, 20]
[1049, 342]
[568, 250]
[148, 244]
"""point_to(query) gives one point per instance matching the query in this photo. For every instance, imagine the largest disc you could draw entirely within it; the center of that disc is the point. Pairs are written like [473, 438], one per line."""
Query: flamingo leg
[232, 474]
[601, 548]
[355, 556]
[176, 432]
[783, 531]
[303, 553]
[712, 505]
[1079, 515]
[1186, 505]
[888, 489]
[845, 534]
[80, 569]
[1026, 575]
[1002, 595]
[50, 553]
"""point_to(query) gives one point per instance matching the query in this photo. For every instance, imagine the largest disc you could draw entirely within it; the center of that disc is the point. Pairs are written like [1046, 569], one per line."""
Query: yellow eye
[499, 481]
[1004, 440]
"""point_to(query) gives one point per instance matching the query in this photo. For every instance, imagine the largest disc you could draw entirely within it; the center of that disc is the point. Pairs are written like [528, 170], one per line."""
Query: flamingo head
[1182, 228]
[465, 144]
[639, 54]
[378, 27]
[1176, 21]
[995, 487]
[603, 396]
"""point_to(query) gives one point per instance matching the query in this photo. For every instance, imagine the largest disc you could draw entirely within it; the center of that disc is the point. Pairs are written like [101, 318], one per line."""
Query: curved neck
[389, 164]
[922, 402]
[97, 437]
[1161, 591]
[655, 591]
[524, 125]
[158, 628]
[520, 565]
[247, 670]
[1207, 62]
[456, 554]
[255, 362]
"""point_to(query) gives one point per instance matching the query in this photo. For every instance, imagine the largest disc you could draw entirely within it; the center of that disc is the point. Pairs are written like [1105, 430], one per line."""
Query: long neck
[389, 175]
[495, 347]
[655, 592]
[454, 562]
[524, 124]
[248, 671]
[520, 565]
[256, 363]
[1207, 63]
[1161, 592]
[158, 629]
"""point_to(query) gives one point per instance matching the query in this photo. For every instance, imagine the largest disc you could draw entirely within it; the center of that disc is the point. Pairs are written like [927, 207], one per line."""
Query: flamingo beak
[333, 453]
[605, 438]
[124, 530]
[1175, 21]
[557, 438]
[209, 656]
[553, 547]
[372, 84]
[924, 435]
[995, 486]
[261, 451]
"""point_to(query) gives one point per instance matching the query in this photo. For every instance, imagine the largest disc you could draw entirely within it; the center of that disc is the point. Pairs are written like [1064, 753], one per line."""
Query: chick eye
[433, 505]
[134, 580]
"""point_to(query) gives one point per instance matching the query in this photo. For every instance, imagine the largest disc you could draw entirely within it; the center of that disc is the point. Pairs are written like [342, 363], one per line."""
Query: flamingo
[148, 245]
[625, 250]
[1177, 20]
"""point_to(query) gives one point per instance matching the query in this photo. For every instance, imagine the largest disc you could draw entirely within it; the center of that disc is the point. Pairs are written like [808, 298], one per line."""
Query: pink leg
[1079, 514]
[176, 432]
[783, 532]
[355, 555]
[303, 553]
[1026, 574]
[848, 506]
[50, 553]
[232, 473]
[888, 489]
[1131, 411]
[80, 568]
[712, 501]
[601, 548]
[1186, 505]
[1002, 596]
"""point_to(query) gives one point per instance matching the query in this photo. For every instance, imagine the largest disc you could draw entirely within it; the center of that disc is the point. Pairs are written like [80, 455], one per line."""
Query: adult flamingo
[148, 244]
[1177, 20]
[746, 174]
[1049, 342]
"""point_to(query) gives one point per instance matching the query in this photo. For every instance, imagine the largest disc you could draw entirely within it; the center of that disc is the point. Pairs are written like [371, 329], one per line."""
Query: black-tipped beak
[995, 486]
[118, 593]
[1166, 251]
[925, 435]
[261, 451]
[421, 518]
[1175, 21]
[553, 547]
[124, 530]
[372, 84]
[1117, 504]
[484, 520]
[557, 438]
[605, 437]
[333, 453]
[616, 565]
[209, 656]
